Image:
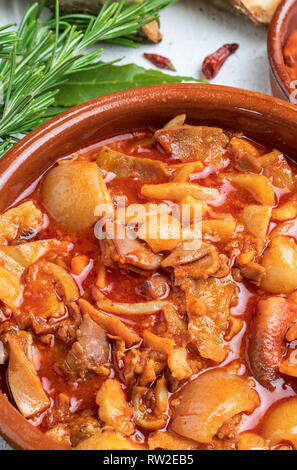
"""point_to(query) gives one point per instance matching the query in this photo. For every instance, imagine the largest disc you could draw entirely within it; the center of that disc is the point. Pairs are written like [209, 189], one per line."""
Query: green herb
[110, 78]
[39, 57]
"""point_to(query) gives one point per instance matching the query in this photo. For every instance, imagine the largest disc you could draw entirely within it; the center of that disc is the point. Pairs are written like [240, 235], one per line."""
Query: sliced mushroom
[112, 325]
[23, 381]
[193, 142]
[209, 401]
[187, 252]
[73, 192]
[267, 338]
[125, 165]
[207, 265]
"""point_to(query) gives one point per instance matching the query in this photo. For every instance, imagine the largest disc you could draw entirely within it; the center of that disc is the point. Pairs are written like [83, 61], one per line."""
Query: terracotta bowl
[260, 117]
[283, 23]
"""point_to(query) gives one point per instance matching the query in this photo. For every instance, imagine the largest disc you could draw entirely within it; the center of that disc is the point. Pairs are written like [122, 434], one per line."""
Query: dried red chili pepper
[213, 63]
[160, 61]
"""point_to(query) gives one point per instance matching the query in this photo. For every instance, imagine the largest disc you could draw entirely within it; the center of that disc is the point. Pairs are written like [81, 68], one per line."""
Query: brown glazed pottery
[283, 23]
[260, 117]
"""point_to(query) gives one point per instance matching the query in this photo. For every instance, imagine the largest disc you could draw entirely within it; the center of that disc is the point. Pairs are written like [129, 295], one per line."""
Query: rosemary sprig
[40, 55]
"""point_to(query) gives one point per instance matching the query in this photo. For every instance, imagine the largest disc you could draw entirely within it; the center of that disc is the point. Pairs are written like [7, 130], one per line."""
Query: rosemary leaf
[37, 59]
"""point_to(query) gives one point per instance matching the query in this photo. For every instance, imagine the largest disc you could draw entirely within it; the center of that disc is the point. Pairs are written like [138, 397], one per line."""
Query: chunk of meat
[131, 251]
[24, 383]
[208, 312]
[73, 192]
[125, 165]
[90, 352]
[276, 168]
[273, 165]
[254, 272]
[267, 338]
[193, 142]
[20, 220]
[280, 263]
[114, 410]
[216, 295]
[209, 401]
[109, 439]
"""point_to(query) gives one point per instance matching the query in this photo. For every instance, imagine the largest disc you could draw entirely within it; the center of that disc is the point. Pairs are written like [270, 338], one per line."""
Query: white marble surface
[192, 29]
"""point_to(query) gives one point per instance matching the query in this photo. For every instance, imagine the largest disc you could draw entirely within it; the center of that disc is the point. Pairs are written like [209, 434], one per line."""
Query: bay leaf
[109, 78]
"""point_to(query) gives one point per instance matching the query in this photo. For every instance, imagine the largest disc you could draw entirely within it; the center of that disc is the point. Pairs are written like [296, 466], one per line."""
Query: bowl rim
[13, 426]
[275, 45]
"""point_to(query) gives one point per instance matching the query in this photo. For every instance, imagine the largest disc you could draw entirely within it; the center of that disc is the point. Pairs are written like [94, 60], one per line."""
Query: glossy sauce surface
[124, 285]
